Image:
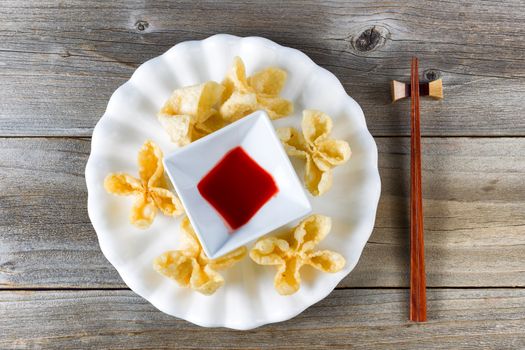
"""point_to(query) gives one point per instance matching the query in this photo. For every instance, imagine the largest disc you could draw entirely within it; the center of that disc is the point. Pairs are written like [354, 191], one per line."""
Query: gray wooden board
[60, 61]
[474, 215]
[357, 319]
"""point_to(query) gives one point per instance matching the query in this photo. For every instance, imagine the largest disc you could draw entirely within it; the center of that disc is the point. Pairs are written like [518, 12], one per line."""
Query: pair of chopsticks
[433, 89]
[418, 295]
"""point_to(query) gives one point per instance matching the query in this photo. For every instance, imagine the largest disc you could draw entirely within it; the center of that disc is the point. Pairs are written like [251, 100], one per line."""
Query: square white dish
[256, 135]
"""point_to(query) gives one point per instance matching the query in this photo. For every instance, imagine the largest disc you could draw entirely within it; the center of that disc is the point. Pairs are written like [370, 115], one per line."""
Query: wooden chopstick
[418, 298]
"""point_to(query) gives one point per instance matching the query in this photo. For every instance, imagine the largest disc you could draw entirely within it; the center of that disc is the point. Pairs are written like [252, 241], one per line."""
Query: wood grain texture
[46, 238]
[357, 319]
[60, 61]
[473, 202]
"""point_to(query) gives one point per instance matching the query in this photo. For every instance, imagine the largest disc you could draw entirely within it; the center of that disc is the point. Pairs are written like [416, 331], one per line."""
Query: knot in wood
[142, 25]
[431, 75]
[368, 40]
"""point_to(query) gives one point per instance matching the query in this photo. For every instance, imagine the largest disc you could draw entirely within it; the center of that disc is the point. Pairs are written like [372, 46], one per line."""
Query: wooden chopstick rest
[432, 89]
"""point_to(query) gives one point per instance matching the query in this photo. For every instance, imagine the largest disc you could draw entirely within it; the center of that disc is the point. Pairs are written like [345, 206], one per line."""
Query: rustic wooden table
[61, 60]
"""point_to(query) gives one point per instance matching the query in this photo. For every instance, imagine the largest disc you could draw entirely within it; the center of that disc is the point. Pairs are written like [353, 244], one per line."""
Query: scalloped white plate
[248, 298]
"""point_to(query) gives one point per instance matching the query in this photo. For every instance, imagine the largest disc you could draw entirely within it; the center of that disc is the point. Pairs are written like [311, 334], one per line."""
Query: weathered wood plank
[474, 215]
[474, 191]
[357, 319]
[46, 237]
[60, 61]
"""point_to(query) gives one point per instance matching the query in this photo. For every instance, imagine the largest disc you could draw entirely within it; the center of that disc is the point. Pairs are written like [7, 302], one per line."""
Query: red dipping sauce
[237, 187]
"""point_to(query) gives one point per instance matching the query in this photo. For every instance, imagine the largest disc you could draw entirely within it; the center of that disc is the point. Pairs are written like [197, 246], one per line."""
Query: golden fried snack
[291, 253]
[243, 95]
[321, 152]
[190, 267]
[149, 190]
[190, 112]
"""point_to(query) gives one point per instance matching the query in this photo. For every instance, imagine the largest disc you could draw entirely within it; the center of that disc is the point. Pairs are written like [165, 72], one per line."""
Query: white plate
[248, 298]
[256, 135]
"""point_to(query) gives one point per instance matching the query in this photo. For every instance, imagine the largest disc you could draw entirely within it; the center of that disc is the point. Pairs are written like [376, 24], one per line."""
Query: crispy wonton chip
[190, 267]
[149, 190]
[289, 254]
[189, 112]
[321, 152]
[244, 95]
